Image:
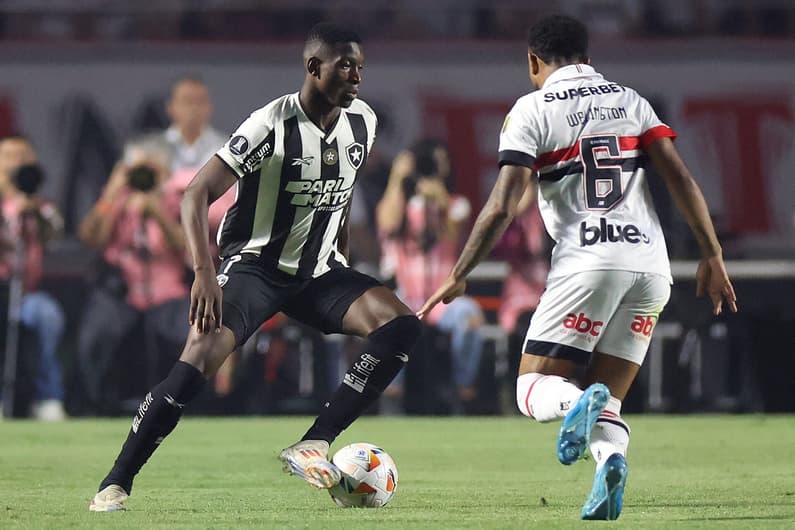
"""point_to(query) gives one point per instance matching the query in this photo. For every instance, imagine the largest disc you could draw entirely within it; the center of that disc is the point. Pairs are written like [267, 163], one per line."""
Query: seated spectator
[421, 223]
[135, 225]
[27, 223]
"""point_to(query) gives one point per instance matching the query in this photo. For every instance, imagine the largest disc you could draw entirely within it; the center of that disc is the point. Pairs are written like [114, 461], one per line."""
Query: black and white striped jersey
[295, 185]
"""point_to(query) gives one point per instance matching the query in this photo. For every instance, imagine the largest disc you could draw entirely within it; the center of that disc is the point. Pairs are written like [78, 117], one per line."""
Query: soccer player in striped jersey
[584, 142]
[284, 248]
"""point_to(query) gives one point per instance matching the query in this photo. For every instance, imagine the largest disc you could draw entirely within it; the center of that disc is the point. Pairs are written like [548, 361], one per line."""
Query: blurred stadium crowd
[252, 20]
[91, 345]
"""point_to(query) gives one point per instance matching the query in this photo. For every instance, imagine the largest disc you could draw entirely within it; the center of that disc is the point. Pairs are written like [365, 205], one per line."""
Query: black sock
[384, 354]
[157, 416]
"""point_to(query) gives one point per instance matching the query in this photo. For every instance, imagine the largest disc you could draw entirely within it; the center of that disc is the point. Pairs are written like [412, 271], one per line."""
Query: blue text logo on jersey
[611, 233]
[324, 194]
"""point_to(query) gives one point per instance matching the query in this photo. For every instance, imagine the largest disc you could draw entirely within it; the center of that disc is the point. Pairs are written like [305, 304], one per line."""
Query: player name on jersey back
[584, 137]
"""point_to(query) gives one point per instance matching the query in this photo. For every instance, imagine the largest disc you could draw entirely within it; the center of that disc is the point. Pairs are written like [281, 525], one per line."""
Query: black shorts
[254, 292]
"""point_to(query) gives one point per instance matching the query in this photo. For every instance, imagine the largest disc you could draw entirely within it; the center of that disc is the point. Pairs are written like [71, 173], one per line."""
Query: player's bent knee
[207, 352]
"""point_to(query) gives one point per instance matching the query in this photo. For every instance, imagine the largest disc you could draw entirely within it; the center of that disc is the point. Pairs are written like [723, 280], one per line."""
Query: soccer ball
[369, 476]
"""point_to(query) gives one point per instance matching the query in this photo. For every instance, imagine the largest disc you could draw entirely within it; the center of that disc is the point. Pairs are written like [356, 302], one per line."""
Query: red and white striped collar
[572, 71]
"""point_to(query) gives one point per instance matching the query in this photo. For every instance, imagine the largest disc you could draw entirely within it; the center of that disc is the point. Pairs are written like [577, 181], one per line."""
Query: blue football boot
[575, 432]
[606, 498]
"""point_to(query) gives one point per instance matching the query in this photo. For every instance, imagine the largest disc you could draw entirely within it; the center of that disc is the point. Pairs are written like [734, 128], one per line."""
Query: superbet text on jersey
[584, 136]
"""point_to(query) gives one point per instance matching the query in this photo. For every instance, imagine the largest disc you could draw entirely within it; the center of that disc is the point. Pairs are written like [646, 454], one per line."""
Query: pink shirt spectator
[522, 246]
[11, 232]
[418, 272]
[175, 188]
[154, 271]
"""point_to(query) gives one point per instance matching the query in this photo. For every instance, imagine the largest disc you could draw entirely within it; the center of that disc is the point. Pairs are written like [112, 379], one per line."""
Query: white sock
[545, 397]
[610, 435]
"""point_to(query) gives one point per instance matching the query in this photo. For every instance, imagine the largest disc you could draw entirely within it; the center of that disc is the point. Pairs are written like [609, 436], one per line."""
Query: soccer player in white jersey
[584, 142]
[284, 244]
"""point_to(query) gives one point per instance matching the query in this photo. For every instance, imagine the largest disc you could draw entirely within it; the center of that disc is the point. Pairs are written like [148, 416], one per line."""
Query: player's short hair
[558, 38]
[331, 34]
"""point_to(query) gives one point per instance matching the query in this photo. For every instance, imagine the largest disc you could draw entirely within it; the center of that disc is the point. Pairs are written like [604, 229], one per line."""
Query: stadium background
[81, 77]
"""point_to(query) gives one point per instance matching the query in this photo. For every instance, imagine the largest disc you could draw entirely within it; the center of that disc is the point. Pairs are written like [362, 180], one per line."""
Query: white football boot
[308, 460]
[110, 499]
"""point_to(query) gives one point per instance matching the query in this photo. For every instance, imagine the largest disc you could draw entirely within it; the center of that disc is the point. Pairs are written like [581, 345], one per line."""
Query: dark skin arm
[492, 221]
[711, 276]
[209, 184]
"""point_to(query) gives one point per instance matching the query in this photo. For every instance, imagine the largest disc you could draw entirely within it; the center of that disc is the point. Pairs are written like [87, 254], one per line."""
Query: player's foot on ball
[110, 499]
[606, 498]
[308, 460]
[575, 432]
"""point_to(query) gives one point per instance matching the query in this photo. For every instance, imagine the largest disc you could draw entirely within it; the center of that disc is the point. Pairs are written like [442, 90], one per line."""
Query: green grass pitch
[685, 472]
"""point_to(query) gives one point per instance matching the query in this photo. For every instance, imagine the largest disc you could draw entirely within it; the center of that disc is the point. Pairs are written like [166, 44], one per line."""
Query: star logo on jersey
[305, 161]
[238, 145]
[355, 153]
[330, 156]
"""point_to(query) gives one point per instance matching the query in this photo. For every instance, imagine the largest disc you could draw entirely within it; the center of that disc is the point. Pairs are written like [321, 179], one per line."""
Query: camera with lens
[141, 178]
[28, 178]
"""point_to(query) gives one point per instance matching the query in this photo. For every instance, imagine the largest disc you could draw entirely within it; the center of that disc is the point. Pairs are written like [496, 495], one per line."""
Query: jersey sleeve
[519, 137]
[371, 122]
[249, 145]
[651, 127]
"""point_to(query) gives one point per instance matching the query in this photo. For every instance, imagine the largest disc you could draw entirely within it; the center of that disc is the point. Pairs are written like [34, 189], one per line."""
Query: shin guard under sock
[384, 354]
[545, 397]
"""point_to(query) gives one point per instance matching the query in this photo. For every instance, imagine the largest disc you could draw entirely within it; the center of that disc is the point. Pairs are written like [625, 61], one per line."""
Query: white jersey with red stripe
[584, 137]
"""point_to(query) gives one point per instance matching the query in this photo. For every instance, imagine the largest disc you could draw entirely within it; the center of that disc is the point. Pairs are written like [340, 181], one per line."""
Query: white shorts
[612, 312]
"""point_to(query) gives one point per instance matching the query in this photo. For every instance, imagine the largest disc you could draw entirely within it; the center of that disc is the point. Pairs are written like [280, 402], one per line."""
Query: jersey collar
[572, 71]
[327, 136]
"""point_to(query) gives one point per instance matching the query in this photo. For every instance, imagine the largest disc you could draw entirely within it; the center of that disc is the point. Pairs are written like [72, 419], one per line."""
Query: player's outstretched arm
[209, 184]
[711, 276]
[492, 221]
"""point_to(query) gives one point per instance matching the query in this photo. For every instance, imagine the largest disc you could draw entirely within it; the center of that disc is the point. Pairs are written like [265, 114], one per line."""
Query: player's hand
[205, 302]
[712, 278]
[447, 292]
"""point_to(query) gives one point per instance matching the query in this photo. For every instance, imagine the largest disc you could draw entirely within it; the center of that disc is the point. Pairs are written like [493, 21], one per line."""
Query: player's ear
[533, 63]
[313, 66]
[586, 60]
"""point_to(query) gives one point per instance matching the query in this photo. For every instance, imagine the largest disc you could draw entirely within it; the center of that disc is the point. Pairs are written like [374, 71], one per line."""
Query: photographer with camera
[27, 223]
[135, 226]
[420, 224]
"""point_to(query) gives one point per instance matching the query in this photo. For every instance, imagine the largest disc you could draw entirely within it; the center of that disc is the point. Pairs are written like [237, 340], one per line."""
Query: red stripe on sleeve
[654, 134]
